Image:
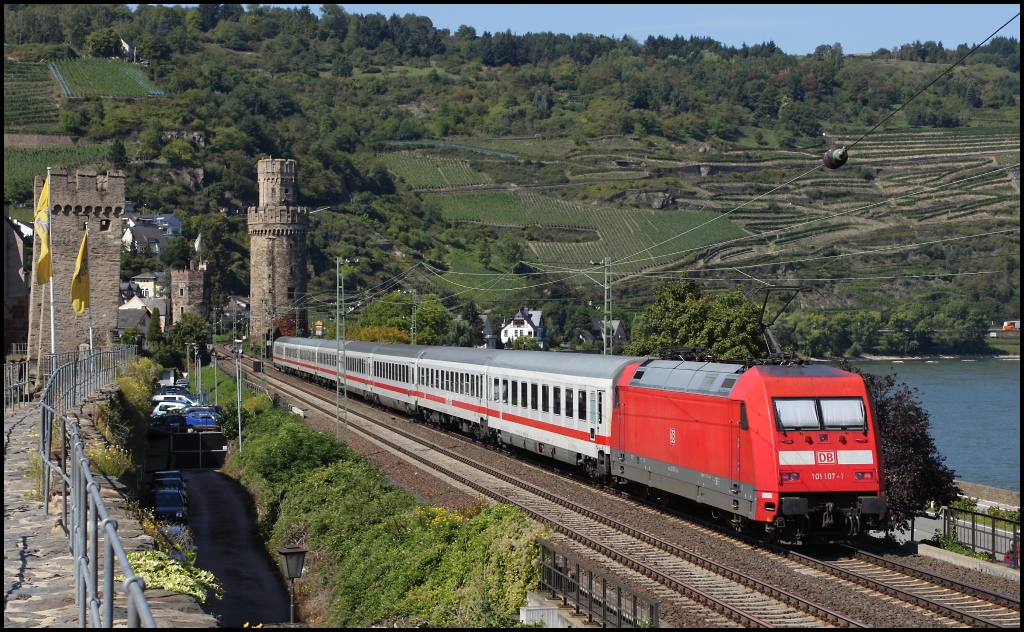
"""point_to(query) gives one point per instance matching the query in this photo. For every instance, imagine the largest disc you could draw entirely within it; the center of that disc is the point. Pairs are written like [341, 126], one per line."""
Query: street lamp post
[216, 377]
[199, 372]
[293, 557]
[237, 350]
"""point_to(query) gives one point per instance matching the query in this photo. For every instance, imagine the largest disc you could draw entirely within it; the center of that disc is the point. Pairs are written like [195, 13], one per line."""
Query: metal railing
[246, 383]
[17, 388]
[50, 362]
[84, 514]
[605, 601]
[998, 537]
[19, 348]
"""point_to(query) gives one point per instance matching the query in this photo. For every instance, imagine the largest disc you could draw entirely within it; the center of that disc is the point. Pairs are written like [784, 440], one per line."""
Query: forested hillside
[492, 168]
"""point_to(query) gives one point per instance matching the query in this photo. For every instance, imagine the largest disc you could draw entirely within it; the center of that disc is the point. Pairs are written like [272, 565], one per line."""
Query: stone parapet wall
[993, 494]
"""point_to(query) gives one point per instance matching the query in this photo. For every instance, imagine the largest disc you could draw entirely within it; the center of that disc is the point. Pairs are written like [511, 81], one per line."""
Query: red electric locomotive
[785, 449]
[793, 448]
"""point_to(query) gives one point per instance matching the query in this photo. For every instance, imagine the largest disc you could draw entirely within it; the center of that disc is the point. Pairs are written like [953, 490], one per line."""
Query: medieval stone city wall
[75, 200]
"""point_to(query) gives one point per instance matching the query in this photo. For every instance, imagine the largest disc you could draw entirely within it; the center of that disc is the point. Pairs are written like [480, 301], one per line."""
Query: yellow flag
[42, 225]
[80, 282]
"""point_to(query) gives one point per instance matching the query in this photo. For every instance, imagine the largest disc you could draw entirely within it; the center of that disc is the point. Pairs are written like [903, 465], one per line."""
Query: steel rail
[909, 595]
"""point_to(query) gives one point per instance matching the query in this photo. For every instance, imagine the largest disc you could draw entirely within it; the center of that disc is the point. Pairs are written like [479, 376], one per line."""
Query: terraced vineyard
[633, 234]
[104, 78]
[432, 172]
[30, 97]
[21, 164]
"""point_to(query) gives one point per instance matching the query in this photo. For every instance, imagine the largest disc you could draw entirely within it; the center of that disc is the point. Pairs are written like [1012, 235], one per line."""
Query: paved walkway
[38, 583]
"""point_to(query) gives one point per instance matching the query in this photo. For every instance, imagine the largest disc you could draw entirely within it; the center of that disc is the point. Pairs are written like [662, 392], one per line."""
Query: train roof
[583, 365]
[715, 378]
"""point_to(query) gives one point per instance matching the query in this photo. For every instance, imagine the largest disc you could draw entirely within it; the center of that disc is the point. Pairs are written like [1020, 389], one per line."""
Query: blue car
[169, 505]
[201, 420]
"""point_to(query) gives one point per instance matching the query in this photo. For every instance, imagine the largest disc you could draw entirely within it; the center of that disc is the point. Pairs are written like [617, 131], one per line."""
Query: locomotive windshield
[837, 413]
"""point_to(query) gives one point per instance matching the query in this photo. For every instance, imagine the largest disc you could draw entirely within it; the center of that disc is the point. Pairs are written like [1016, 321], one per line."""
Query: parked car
[174, 420]
[182, 382]
[163, 408]
[171, 483]
[202, 421]
[169, 505]
[181, 399]
[216, 410]
[175, 390]
[164, 474]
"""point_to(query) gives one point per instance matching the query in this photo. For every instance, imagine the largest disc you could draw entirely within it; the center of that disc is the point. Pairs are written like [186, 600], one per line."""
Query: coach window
[593, 407]
[600, 406]
[523, 395]
[504, 391]
[533, 396]
[462, 383]
[581, 397]
[515, 393]
[568, 403]
[496, 393]
[557, 400]
[544, 399]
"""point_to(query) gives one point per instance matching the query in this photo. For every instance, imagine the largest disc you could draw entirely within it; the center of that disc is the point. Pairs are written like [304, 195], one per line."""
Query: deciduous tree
[681, 315]
[915, 473]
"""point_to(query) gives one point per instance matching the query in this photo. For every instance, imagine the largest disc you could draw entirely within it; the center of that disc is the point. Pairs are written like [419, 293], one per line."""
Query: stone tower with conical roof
[277, 236]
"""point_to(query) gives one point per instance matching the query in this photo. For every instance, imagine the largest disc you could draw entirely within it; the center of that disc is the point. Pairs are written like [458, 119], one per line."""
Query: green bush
[381, 555]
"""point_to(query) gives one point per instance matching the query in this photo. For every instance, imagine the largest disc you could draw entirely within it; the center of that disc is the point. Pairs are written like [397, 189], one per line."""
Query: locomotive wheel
[768, 536]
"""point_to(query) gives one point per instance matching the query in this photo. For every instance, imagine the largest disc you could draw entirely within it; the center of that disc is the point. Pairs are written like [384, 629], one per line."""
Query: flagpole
[49, 235]
[88, 287]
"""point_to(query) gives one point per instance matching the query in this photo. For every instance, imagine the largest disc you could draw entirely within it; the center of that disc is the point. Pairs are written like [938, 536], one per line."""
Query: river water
[975, 413]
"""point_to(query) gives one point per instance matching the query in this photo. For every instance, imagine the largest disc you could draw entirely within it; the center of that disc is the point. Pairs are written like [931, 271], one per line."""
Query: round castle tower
[277, 235]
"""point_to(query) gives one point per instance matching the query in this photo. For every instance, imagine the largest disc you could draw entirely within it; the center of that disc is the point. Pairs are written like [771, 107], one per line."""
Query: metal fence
[19, 348]
[84, 515]
[246, 383]
[983, 533]
[603, 600]
[17, 388]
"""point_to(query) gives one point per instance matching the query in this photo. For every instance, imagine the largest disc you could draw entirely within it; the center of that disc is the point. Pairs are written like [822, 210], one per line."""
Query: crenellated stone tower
[190, 291]
[277, 232]
[75, 200]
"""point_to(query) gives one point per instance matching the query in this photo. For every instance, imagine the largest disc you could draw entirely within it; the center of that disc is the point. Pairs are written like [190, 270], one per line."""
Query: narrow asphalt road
[224, 530]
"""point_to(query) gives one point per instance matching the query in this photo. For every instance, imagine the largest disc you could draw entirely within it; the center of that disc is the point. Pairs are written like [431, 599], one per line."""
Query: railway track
[965, 603]
[973, 605]
[717, 588]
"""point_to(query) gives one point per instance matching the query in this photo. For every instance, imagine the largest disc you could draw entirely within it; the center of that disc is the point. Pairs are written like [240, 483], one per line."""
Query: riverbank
[922, 358]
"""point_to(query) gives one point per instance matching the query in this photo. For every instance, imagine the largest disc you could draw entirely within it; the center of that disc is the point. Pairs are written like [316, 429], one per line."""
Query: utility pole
[414, 305]
[608, 334]
[340, 346]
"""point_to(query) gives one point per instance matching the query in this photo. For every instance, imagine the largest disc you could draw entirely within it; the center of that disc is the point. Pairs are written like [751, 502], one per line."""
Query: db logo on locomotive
[826, 458]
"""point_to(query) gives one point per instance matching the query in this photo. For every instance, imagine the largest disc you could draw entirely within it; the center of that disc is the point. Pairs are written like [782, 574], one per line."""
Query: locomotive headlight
[864, 476]
[788, 477]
